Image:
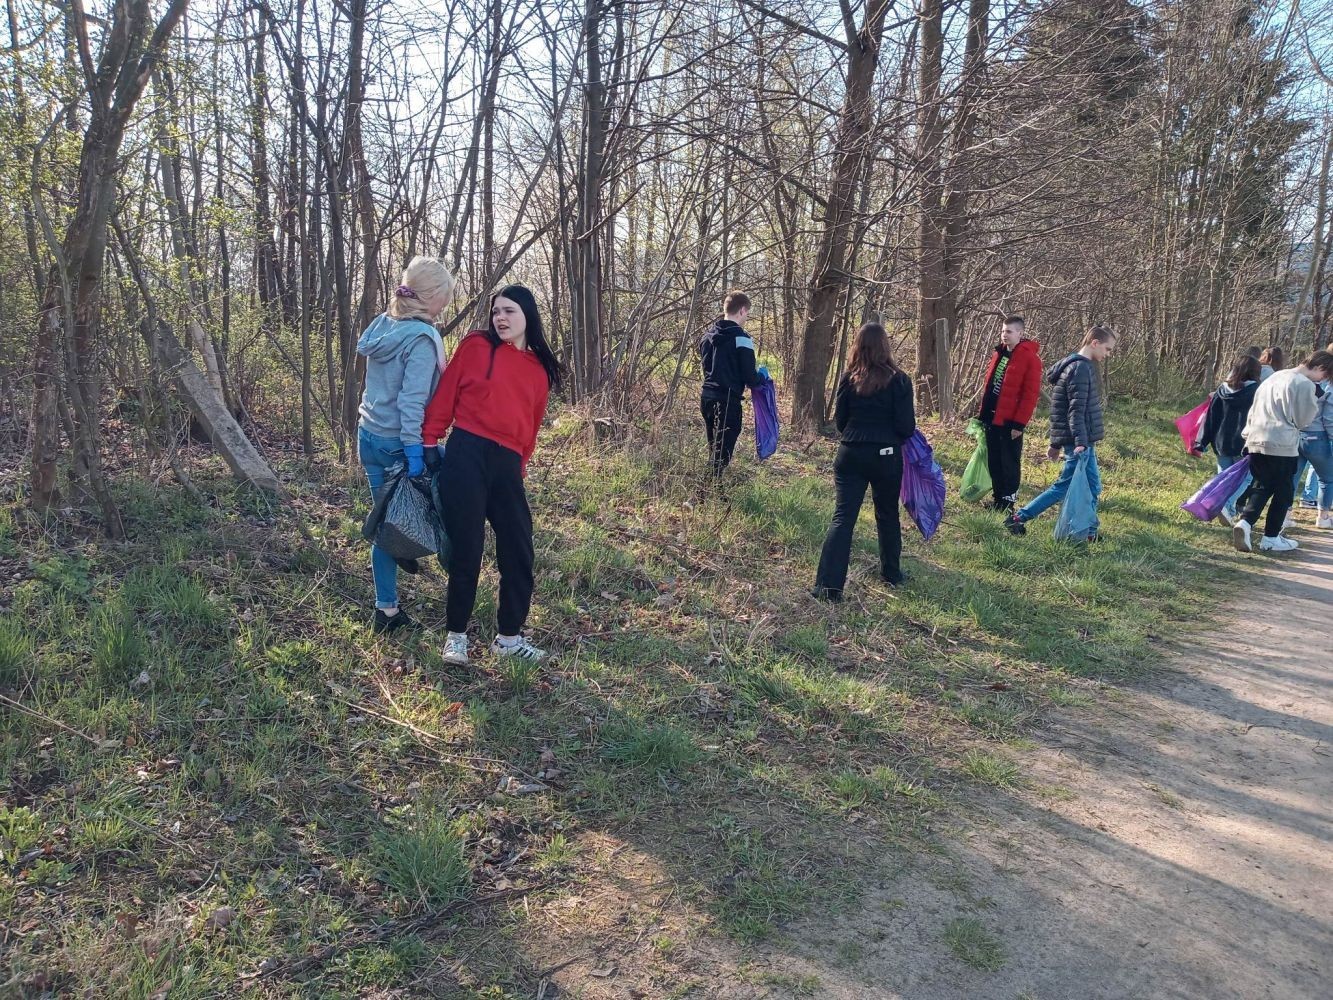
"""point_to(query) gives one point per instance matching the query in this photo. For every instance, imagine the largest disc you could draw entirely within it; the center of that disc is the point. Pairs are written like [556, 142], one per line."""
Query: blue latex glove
[416, 459]
[763, 372]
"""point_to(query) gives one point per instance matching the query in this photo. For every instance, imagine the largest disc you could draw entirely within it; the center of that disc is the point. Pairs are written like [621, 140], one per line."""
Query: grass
[973, 945]
[211, 724]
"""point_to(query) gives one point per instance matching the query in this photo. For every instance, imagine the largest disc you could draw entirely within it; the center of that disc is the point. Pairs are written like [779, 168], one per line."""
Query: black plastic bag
[404, 521]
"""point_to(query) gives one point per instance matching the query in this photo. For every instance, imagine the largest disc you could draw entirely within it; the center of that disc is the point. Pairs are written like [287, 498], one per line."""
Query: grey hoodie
[404, 358]
[1323, 419]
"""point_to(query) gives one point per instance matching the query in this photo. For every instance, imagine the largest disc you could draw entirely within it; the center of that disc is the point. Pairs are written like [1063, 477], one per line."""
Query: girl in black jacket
[874, 415]
[1226, 419]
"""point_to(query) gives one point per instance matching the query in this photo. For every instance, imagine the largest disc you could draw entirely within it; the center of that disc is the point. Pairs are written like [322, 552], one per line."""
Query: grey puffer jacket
[1076, 403]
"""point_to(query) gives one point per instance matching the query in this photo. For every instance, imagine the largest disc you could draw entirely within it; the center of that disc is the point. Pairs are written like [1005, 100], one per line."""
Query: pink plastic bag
[1189, 425]
[1214, 494]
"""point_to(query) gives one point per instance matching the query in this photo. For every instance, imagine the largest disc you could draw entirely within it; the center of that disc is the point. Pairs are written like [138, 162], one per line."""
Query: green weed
[660, 749]
[423, 861]
[973, 945]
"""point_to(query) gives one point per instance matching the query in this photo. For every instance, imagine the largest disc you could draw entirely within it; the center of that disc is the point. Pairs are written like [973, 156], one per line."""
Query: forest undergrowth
[214, 779]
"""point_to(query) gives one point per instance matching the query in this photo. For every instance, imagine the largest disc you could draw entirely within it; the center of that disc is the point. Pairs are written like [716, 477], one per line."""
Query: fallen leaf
[220, 919]
[606, 973]
[142, 680]
[127, 923]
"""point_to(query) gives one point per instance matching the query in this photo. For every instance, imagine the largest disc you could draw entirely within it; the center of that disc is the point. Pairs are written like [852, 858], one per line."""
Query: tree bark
[829, 280]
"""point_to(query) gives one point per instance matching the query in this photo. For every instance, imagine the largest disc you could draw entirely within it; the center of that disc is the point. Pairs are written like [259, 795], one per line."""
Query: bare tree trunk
[855, 127]
[931, 309]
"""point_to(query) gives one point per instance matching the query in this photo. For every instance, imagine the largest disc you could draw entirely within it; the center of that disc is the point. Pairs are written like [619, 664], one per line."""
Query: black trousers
[1275, 480]
[1004, 456]
[722, 422]
[482, 481]
[856, 467]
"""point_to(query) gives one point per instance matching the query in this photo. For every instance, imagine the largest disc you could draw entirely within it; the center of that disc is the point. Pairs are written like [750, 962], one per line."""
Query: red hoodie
[497, 393]
[1021, 385]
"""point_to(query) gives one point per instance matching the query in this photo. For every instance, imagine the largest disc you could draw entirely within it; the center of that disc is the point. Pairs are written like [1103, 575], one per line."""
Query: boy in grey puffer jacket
[1076, 424]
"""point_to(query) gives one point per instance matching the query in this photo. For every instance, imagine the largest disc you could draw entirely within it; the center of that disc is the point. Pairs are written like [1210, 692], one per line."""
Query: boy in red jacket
[1009, 395]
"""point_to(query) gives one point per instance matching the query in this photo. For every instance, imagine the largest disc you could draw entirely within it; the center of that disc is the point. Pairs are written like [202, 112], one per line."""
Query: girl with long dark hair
[1227, 413]
[493, 394]
[874, 415]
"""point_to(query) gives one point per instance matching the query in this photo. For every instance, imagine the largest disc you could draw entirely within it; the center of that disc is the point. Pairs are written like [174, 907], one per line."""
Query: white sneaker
[1228, 518]
[1279, 544]
[1324, 521]
[1240, 536]
[455, 649]
[519, 647]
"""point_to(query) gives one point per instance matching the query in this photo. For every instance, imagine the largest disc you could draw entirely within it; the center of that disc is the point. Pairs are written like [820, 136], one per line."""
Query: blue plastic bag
[923, 486]
[765, 399]
[1078, 514]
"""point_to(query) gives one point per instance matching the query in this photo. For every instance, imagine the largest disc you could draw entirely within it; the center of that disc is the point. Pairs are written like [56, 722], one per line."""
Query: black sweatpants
[722, 422]
[1004, 456]
[1275, 480]
[855, 467]
[482, 481]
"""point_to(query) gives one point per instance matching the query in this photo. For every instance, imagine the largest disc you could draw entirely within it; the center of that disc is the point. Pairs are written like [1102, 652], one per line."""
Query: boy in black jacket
[727, 354]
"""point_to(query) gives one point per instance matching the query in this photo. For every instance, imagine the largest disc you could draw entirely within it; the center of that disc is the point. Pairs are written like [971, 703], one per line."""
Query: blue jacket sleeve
[419, 378]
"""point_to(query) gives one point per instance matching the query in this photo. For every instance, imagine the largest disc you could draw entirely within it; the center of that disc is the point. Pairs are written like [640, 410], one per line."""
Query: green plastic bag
[976, 477]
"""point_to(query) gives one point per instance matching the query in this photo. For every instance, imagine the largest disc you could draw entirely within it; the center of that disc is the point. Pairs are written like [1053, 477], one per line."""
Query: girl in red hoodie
[1008, 396]
[493, 393]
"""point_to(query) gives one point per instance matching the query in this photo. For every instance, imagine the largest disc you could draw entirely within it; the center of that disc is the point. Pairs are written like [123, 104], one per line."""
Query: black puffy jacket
[1076, 403]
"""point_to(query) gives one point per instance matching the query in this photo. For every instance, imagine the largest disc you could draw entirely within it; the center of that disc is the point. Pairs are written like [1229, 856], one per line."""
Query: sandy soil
[1176, 841]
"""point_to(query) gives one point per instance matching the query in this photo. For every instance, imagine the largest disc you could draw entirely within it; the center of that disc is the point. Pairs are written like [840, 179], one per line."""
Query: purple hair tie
[405, 292]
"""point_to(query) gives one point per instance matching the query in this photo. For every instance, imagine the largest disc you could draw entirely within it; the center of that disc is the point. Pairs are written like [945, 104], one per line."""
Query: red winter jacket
[499, 394]
[1021, 387]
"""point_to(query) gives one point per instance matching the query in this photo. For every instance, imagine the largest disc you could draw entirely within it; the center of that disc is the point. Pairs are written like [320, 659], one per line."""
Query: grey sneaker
[520, 647]
[455, 649]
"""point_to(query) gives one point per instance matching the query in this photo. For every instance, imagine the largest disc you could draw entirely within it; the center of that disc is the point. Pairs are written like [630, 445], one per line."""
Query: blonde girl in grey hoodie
[404, 359]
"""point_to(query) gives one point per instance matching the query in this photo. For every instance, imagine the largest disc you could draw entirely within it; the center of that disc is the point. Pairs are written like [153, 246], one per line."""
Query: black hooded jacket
[1226, 419]
[727, 354]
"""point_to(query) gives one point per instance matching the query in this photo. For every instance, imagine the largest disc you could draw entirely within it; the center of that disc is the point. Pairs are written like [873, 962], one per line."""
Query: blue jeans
[1226, 462]
[1057, 490]
[1311, 494]
[378, 454]
[1317, 453]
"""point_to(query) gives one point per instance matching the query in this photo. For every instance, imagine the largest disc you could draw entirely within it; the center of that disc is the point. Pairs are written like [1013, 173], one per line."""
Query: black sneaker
[826, 594]
[1016, 525]
[408, 566]
[897, 580]
[384, 624]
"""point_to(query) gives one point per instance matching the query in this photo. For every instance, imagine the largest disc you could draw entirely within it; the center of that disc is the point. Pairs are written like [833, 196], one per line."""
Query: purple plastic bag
[923, 485]
[765, 399]
[1213, 496]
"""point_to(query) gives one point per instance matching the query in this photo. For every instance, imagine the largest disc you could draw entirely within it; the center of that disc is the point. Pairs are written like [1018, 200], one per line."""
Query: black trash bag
[443, 547]
[404, 522]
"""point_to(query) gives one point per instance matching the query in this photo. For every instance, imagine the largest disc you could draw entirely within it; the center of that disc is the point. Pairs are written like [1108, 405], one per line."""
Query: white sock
[457, 635]
[389, 612]
[507, 640]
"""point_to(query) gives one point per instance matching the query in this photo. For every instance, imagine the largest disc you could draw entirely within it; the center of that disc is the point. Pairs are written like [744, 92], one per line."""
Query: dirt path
[1176, 843]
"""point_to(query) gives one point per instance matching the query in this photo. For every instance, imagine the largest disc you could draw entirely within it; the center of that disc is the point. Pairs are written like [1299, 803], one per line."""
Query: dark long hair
[1274, 358]
[536, 333]
[1244, 369]
[872, 366]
